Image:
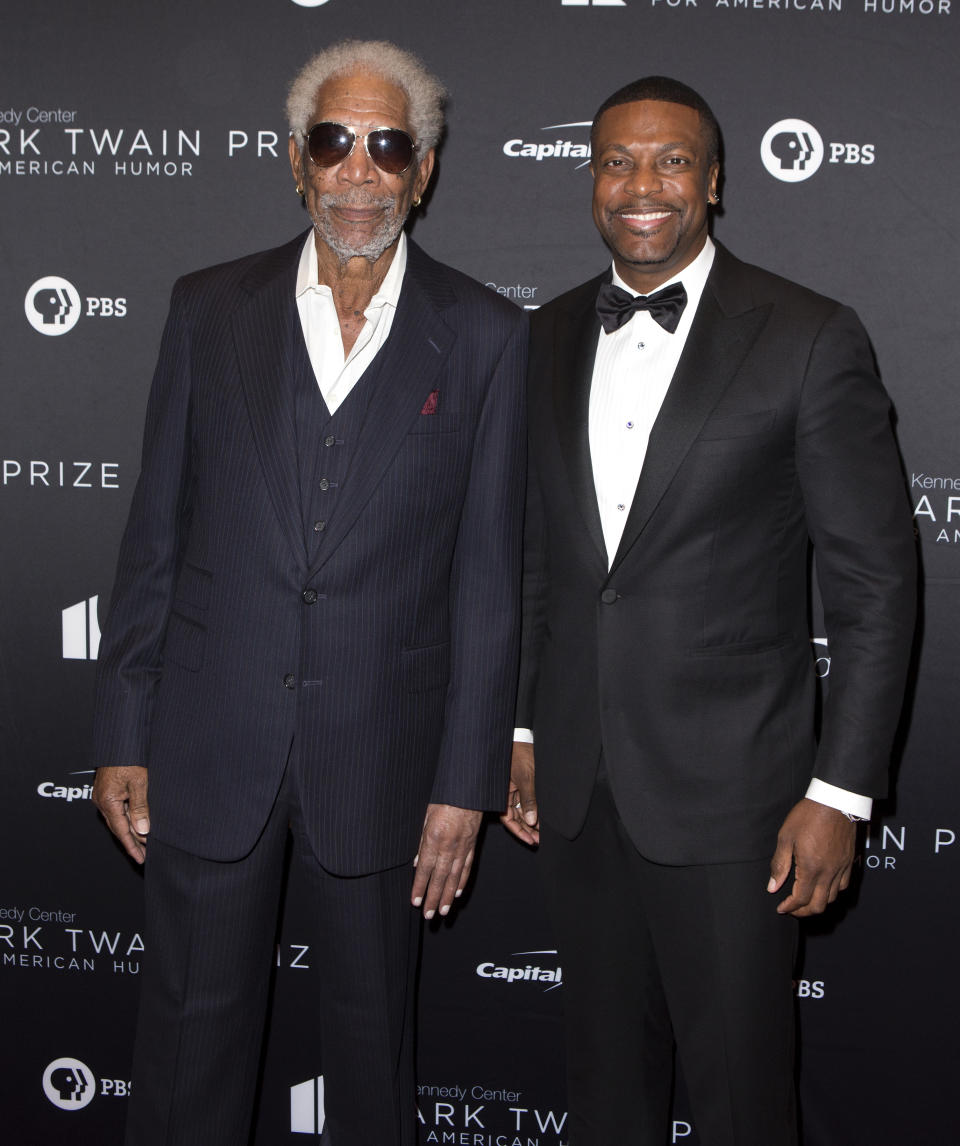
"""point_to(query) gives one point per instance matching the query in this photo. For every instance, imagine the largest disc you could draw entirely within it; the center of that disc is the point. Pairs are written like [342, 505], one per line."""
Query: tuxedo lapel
[575, 346]
[724, 329]
[264, 329]
[402, 377]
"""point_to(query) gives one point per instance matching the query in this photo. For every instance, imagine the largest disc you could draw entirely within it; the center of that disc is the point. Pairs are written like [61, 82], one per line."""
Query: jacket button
[330, 441]
[289, 681]
[309, 596]
[324, 483]
[608, 596]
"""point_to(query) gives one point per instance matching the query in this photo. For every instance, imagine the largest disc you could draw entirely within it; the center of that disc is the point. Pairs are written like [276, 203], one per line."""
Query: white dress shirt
[632, 372]
[337, 375]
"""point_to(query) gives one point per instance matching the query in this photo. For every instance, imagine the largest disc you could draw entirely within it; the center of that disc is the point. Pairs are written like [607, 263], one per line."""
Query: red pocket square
[430, 406]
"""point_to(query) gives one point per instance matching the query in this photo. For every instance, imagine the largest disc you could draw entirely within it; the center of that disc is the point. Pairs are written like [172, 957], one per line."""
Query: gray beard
[383, 237]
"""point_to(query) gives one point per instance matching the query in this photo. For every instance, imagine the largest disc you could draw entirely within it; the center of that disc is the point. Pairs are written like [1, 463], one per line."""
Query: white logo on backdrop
[306, 1107]
[81, 631]
[529, 973]
[52, 305]
[555, 149]
[69, 1083]
[792, 150]
[309, 3]
[51, 790]
[593, 3]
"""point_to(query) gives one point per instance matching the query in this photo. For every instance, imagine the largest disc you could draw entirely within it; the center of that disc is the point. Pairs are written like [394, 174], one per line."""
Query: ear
[424, 171]
[712, 179]
[296, 160]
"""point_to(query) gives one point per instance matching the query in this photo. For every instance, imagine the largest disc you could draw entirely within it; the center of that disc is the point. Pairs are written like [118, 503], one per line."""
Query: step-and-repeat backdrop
[139, 141]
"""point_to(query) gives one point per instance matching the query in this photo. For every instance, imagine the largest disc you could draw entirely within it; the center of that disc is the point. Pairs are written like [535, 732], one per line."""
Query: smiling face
[652, 180]
[358, 210]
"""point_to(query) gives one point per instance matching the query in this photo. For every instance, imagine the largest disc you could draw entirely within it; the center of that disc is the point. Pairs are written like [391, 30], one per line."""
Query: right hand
[121, 795]
[522, 818]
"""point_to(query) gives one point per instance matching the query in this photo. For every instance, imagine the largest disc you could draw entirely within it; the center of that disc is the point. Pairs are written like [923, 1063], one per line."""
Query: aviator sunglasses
[391, 149]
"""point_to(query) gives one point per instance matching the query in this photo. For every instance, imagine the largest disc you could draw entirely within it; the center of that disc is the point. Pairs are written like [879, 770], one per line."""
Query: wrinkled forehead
[362, 99]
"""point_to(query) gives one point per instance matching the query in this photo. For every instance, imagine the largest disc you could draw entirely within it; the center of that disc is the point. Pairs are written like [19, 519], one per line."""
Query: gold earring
[300, 190]
[417, 201]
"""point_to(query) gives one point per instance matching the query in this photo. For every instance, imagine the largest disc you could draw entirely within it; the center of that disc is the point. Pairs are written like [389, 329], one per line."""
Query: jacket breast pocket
[425, 668]
[737, 425]
[184, 643]
[436, 424]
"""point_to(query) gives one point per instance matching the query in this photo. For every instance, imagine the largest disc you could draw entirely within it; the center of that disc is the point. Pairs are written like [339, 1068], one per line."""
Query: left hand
[818, 842]
[445, 857]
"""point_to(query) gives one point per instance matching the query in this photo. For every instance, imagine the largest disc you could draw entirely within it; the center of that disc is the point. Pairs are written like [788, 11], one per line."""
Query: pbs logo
[69, 1083]
[52, 305]
[792, 150]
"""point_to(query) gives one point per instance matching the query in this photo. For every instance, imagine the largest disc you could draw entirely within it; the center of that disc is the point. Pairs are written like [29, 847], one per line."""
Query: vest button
[608, 596]
[289, 681]
[319, 526]
[324, 483]
[330, 441]
[309, 596]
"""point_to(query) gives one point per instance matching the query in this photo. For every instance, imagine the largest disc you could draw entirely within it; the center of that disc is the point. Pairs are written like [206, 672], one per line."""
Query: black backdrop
[139, 141]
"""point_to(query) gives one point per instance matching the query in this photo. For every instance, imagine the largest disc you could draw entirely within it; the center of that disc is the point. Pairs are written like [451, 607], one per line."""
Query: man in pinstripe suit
[313, 624]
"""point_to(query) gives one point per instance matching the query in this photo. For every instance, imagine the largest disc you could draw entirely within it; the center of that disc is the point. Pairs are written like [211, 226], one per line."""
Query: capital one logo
[69, 1084]
[306, 1107]
[52, 305]
[81, 631]
[792, 150]
[554, 149]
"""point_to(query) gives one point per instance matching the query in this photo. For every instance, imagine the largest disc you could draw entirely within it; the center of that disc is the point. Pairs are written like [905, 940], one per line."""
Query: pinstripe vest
[325, 442]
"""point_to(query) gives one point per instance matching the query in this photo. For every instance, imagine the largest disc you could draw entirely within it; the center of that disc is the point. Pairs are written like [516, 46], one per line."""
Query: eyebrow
[663, 146]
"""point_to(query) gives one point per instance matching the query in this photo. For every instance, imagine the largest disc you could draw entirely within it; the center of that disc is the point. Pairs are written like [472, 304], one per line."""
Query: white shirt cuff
[839, 798]
[522, 736]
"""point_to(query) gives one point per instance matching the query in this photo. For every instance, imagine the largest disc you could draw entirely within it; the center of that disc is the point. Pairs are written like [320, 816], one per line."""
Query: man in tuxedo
[694, 424]
[314, 626]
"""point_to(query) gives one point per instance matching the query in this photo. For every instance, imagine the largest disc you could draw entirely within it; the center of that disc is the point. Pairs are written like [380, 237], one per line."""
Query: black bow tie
[615, 306]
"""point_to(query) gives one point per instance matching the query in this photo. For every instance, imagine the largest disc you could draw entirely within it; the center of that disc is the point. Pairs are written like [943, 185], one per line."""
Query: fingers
[522, 816]
[818, 842]
[120, 794]
[780, 864]
[138, 813]
[445, 858]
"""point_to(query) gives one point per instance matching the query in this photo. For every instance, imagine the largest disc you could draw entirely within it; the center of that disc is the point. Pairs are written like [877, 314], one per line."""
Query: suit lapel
[724, 329]
[403, 374]
[264, 328]
[575, 345]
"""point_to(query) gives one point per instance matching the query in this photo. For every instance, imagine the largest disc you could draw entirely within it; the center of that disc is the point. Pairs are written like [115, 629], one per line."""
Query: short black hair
[668, 91]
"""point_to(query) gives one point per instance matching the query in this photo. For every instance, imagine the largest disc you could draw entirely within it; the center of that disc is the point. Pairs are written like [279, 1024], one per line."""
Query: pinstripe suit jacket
[403, 670]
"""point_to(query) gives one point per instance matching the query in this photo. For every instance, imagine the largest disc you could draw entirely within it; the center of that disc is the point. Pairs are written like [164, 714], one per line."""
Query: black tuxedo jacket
[398, 674]
[688, 661]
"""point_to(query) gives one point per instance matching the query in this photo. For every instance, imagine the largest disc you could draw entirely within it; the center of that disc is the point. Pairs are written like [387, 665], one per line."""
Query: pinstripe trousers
[211, 931]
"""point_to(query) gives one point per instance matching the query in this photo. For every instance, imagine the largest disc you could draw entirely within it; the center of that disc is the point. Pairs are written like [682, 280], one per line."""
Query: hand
[818, 842]
[522, 819]
[445, 857]
[121, 795]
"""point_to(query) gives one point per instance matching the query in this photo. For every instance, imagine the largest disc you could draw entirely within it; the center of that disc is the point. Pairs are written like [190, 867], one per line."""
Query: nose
[358, 168]
[644, 179]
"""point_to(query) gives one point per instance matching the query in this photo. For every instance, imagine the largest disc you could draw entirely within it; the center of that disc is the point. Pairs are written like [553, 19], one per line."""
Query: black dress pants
[656, 958]
[210, 932]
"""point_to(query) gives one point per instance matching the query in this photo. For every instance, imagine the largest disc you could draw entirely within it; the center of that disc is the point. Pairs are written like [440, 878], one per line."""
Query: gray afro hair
[425, 94]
